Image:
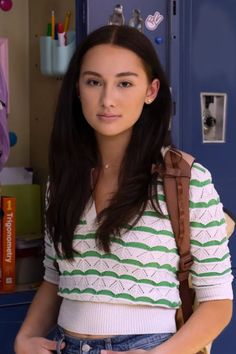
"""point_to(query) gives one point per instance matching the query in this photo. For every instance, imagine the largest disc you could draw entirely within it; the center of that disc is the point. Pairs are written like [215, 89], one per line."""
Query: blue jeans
[117, 343]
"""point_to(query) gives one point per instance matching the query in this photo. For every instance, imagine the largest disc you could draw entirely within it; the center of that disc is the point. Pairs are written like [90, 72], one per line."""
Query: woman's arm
[210, 273]
[209, 319]
[205, 324]
[40, 320]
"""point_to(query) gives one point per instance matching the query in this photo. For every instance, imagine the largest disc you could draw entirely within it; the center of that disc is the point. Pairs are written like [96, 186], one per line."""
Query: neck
[112, 150]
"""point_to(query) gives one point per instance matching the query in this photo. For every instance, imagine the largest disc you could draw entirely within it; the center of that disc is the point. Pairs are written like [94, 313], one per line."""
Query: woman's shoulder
[202, 188]
[200, 173]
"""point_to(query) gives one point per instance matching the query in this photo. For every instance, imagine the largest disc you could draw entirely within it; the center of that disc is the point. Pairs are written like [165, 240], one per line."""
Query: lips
[108, 117]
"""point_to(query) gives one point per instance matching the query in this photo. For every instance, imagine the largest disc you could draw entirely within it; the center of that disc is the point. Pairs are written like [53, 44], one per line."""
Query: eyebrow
[126, 73]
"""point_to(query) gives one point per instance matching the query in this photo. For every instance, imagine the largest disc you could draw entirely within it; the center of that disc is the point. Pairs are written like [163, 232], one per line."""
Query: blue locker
[208, 64]
[206, 32]
[96, 13]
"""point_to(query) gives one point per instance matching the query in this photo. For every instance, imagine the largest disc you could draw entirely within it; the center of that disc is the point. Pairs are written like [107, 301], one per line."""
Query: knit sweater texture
[141, 268]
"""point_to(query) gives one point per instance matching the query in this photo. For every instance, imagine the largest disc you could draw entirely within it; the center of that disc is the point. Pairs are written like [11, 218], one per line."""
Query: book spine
[8, 243]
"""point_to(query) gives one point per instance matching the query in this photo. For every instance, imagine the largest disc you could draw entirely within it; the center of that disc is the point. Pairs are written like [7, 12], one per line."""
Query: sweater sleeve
[51, 272]
[211, 270]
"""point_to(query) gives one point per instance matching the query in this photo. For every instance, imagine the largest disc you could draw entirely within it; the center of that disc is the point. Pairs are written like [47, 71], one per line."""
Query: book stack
[7, 243]
[21, 256]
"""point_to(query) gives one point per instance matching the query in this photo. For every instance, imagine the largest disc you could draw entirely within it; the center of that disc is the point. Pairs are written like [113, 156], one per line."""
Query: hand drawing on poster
[136, 21]
[117, 17]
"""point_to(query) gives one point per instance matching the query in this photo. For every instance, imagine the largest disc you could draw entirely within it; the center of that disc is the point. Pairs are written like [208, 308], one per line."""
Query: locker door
[208, 77]
[92, 14]
[208, 66]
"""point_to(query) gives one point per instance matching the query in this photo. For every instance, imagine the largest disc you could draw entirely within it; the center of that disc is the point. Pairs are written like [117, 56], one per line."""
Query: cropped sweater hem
[115, 319]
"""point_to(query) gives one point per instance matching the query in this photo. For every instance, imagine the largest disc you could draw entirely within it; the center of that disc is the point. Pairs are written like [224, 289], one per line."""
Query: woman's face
[113, 87]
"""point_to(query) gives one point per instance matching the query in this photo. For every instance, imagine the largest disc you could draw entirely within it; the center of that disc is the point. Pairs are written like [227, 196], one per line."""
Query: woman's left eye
[93, 82]
[125, 84]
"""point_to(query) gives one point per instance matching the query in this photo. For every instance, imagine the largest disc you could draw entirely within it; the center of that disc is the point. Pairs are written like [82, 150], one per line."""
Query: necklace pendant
[106, 166]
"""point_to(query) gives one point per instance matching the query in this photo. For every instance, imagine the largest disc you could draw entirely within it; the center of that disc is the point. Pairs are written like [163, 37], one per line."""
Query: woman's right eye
[92, 82]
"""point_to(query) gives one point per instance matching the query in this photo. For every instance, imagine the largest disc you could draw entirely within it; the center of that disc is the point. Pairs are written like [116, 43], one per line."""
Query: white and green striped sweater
[141, 268]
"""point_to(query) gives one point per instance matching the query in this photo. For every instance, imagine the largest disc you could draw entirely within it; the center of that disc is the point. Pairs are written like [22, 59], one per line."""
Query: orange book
[8, 244]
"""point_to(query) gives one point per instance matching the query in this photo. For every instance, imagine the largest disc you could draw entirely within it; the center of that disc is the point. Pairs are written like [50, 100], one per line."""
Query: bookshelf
[32, 103]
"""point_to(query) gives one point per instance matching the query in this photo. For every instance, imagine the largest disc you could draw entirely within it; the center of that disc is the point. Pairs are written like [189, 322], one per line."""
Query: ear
[152, 91]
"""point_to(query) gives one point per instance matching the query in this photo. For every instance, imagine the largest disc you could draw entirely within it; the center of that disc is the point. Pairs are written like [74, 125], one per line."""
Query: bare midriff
[86, 336]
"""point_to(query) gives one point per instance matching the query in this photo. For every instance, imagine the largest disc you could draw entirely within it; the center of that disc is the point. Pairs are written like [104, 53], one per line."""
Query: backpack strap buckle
[166, 172]
[185, 264]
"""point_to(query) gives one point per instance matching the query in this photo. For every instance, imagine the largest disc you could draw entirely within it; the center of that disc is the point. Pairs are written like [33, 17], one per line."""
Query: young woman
[111, 258]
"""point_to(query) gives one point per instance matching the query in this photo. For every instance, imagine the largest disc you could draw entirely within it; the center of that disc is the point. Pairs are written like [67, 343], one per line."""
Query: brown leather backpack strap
[176, 179]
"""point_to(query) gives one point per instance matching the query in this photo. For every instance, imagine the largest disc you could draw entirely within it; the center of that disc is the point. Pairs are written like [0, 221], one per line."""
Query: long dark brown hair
[73, 150]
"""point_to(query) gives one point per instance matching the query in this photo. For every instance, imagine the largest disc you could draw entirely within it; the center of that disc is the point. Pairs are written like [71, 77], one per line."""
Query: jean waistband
[117, 343]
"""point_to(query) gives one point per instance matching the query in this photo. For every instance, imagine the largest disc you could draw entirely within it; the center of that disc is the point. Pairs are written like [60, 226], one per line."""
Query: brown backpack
[176, 179]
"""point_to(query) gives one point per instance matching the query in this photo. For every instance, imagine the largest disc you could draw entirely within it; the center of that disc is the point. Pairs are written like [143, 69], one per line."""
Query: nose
[107, 98]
